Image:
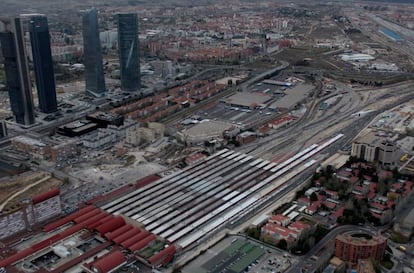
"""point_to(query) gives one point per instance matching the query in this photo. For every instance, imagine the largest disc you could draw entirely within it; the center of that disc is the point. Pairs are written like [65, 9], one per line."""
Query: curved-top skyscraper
[128, 46]
[94, 75]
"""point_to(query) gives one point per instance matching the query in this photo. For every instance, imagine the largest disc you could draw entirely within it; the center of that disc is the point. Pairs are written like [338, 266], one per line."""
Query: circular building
[352, 246]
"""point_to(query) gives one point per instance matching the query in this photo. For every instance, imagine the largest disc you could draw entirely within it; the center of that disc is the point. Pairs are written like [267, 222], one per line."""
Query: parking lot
[236, 254]
[236, 115]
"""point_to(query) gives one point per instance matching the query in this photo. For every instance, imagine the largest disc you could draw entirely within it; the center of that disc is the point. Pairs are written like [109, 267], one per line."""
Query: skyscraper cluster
[128, 49]
[17, 70]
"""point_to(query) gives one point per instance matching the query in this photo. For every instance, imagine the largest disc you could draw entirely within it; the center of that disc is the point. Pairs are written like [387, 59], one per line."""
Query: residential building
[279, 219]
[352, 246]
[43, 64]
[159, 128]
[133, 136]
[36, 148]
[94, 75]
[63, 151]
[99, 139]
[147, 134]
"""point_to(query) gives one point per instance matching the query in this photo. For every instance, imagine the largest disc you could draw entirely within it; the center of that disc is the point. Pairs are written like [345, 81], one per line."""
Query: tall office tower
[17, 71]
[43, 65]
[128, 46]
[95, 81]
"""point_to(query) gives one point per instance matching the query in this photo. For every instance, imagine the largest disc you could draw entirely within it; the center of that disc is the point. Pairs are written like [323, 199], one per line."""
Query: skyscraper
[17, 71]
[94, 76]
[128, 51]
[43, 65]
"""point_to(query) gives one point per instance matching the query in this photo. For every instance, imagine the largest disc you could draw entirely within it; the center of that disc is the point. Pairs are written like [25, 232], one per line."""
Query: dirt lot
[17, 183]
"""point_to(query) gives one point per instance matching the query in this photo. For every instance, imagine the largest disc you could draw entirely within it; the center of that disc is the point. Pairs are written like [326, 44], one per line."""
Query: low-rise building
[36, 148]
[63, 151]
[279, 219]
[146, 134]
[365, 266]
[99, 139]
[132, 135]
[246, 137]
[159, 128]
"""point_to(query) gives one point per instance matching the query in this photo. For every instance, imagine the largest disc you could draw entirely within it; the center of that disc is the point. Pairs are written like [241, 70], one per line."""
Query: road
[325, 243]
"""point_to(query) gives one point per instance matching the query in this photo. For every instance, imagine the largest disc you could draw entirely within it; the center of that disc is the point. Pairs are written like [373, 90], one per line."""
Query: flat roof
[209, 127]
[293, 96]
[247, 98]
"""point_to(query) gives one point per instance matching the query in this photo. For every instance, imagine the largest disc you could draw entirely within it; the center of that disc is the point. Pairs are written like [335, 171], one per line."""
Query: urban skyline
[206, 136]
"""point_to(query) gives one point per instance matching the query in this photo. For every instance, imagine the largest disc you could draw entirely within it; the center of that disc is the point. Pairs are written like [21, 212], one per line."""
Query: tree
[282, 244]
[313, 197]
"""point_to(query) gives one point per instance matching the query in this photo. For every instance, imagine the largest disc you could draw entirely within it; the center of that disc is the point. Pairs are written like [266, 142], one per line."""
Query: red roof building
[109, 262]
[146, 180]
[378, 206]
[278, 232]
[194, 158]
[111, 225]
[118, 232]
[279, 219]
[125, 236]
[67, 219]
[338, 213]
[299, 227]
[304, 201]
[329, 205]
[46, 195]
[313, 208]
[351, 247]
[332, 194]
[163, 257]
[143, 243]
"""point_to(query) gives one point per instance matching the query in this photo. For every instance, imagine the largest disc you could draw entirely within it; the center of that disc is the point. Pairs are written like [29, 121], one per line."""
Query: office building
[94, 75]
[128, 46]
[17, 71]
[43, 65]
[374, 147]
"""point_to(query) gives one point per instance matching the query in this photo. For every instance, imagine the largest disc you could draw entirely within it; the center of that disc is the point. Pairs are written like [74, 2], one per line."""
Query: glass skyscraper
[94, 75]
[17, 72]
[128, 46]
[43, 64]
